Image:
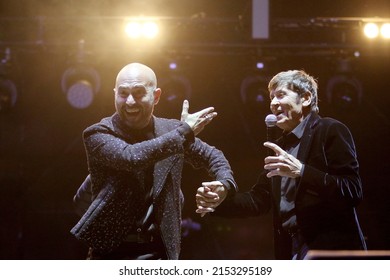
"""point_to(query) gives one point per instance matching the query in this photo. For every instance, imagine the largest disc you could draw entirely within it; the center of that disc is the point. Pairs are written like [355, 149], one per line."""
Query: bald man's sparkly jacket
[116, 165]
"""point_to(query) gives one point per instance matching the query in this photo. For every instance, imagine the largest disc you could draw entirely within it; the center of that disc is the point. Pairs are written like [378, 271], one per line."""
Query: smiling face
[288, 106]
[136, 95]
[293, 96]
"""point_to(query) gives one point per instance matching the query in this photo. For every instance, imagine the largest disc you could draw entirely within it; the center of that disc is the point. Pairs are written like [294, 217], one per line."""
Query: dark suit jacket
[327, 192]
[116, 164]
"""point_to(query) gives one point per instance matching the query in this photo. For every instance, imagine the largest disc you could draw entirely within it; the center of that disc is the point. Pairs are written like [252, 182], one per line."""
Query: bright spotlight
[150, 29]
[371, 30]
[385, 30]
[133, 29]
[80, 84]
[145, 29]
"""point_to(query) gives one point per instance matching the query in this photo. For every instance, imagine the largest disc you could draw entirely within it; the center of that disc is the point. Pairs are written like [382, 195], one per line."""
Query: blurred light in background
[385, 30]
[8, 90]
[8, 95]
[176, 88]
[371, 30]
[80, 83]
[172, 65]
[254, 94]
[374, 30]
[344, 91]
[141, 29]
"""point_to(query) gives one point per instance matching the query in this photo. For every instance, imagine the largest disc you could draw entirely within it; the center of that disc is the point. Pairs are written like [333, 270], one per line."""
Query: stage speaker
[348, 255]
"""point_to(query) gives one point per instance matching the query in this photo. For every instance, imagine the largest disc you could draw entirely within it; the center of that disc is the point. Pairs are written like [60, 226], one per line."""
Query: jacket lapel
[307, 138]
[163, 167]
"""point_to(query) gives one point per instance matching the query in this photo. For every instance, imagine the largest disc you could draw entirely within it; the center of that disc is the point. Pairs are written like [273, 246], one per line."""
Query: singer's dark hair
[298, 81]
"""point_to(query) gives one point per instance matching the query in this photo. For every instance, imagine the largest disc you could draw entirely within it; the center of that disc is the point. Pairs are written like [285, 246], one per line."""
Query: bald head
[136, 94]
[139, 72]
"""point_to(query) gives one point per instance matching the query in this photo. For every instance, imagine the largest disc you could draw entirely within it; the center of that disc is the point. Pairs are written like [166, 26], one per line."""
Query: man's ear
[157, 94]
[306, 99]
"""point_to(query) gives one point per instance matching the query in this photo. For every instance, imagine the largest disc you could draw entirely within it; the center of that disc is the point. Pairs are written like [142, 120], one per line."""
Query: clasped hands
[212, 194]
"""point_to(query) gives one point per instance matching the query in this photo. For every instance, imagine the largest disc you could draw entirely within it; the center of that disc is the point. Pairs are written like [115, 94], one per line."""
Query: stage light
[150, 29]
[141, 29]
[254, 93]
[8, 95]
[260, 65]
[371, 30]
[80, 83]
[385, 30]
[344, 92]
[176, 88]
[133, 29]
[8, 90]
[172, 65]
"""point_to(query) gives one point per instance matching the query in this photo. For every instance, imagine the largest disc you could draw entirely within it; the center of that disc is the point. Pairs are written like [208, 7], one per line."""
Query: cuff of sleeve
[230, 187]
[188, 134]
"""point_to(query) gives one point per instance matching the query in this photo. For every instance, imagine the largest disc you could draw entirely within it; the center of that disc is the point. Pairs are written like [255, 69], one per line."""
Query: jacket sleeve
[105, 149]
[83, 197]
[202, 155]
[257, 201]
[339, 179]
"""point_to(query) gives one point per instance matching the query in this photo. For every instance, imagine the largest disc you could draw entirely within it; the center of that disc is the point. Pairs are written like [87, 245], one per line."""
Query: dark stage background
[42, 159]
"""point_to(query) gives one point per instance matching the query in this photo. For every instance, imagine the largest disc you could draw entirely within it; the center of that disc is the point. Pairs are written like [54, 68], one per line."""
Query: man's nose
[274, 103]
[130, 99]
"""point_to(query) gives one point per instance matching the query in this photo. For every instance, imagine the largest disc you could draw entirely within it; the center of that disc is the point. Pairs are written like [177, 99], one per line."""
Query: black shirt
[290, 143]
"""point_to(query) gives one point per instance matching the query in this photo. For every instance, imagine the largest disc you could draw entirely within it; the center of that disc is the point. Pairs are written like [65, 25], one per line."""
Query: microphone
[270, 122]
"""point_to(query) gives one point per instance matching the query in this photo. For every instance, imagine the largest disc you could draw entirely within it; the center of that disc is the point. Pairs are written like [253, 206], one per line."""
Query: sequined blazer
[116, 164]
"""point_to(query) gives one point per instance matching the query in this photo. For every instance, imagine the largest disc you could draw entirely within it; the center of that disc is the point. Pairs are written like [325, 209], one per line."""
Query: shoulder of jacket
[104, 124]
[171, 123]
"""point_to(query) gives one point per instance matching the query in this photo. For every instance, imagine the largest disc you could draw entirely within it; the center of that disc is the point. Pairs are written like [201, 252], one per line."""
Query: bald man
[132, 197]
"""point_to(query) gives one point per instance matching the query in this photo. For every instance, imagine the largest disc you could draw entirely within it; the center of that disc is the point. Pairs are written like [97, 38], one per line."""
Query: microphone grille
[270, 120]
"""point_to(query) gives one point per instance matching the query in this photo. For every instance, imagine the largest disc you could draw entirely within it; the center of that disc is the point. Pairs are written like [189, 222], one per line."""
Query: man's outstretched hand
[197, 121]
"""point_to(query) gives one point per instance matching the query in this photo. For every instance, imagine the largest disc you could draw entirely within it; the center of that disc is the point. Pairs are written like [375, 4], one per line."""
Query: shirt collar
[297, 132]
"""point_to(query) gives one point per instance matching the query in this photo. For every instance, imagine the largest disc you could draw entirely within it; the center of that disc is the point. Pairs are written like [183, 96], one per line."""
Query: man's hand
[197, 121]
[209, 196]
[282, 164]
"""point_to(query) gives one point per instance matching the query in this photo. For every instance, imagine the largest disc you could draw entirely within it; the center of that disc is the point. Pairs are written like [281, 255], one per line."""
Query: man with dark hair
[316, 184]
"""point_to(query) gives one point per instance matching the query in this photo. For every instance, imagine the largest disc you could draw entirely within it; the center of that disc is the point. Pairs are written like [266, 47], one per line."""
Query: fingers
[204, 210]
[184, 112]
[283, 165]
[205, 112]
[206, 200]
[209, 186]
[210, 116]
[274, 147]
